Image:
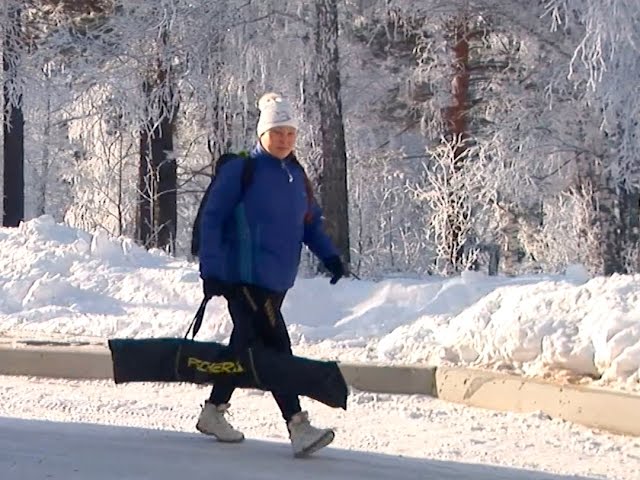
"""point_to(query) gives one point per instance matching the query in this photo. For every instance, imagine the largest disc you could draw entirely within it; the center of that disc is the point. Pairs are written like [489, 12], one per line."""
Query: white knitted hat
[275, 111]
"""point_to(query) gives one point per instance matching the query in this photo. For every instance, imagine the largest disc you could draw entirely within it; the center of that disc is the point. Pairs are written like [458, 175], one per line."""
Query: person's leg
[243, 335]
[212, 417]
[305, 438]
[258, 322]
[272, 333]
[276, 336]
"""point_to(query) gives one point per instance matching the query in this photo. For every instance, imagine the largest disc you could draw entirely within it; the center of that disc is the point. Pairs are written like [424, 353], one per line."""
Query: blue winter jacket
[257, 238]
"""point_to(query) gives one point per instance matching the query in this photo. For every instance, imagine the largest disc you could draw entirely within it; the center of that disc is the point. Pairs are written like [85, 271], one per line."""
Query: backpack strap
[247, 171]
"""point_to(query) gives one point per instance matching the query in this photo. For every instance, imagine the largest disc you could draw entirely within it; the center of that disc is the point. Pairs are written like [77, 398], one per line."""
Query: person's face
[279, 141]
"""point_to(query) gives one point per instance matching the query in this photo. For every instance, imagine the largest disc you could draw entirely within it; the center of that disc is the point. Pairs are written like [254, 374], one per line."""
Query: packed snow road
[98, 430]
[36, 450]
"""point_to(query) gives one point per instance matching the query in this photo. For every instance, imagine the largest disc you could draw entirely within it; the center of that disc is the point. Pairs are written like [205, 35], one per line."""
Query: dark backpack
[247, 177]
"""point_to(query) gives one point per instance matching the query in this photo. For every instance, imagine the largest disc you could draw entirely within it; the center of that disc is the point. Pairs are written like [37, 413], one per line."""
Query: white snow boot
[305, 438]
[212, 422]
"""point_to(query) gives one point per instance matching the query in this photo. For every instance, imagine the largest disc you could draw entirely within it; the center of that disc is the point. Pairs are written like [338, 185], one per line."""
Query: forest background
[441, 136]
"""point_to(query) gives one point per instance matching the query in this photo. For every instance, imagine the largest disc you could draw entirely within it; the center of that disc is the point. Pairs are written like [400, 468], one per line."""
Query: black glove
[335, 266]
[212, 287]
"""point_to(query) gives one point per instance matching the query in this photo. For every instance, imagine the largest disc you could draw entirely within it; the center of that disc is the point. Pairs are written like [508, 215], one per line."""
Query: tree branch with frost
[453, 190]
[567, 234]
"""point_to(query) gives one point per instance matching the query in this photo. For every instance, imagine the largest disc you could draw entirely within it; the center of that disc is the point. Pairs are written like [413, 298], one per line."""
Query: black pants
[257, 322]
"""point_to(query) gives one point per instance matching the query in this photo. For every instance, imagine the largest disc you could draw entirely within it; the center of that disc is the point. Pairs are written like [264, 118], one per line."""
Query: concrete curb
[608, 410]
[387, 379]
[612, 411]
[56, 360]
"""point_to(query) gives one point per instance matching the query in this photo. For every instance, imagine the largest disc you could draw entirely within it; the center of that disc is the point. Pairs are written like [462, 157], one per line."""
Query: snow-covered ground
[378, 437]
[58, 280]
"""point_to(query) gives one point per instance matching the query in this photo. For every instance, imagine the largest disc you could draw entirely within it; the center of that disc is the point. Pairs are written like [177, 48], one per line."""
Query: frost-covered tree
[558, 127]
[156, 224]
[604, 65]
[468, 126]
[383, 137]
[536, 116]
[333, 191]
[13, 117]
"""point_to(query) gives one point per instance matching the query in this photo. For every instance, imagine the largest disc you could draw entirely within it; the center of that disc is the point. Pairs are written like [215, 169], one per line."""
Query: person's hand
[335, 266]
[212, 287]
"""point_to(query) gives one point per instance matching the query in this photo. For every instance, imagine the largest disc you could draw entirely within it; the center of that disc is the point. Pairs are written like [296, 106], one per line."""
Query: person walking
[250, 245]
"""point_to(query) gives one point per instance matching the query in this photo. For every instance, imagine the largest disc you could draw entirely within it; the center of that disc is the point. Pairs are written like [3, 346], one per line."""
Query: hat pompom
[269, 100]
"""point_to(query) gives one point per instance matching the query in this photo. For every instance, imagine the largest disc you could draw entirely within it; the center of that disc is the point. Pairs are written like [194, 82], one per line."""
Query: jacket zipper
[284, 167]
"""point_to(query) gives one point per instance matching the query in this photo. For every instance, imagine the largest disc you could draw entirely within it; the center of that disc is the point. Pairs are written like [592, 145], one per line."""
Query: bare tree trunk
[509, 229]
[157, 183]
[630, 215]
[41, 189]
[333, 190]
[457, 125]
[219, 141]
[144, 223]
[609, 223]
[120, 184]
[157, 180]
[607, 251]
[164, 163]
[13, 126]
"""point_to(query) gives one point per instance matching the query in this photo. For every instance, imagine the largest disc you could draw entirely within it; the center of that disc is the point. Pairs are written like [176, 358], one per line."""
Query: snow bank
[58, 280]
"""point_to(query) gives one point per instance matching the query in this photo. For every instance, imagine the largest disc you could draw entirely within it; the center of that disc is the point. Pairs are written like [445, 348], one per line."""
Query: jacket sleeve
[316, 238]
[223, 197]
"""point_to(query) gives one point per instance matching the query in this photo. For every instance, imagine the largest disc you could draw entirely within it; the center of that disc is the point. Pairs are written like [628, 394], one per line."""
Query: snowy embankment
[58, 280]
